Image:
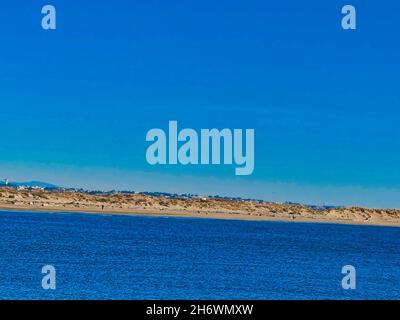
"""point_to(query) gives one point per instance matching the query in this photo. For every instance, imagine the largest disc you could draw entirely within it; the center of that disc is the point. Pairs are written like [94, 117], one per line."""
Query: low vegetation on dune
[132, 203]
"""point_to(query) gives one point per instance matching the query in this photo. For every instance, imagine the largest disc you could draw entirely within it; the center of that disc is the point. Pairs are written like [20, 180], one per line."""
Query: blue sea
[137, 257]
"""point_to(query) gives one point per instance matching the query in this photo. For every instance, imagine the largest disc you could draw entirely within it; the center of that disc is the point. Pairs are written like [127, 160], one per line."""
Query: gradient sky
[76, 103]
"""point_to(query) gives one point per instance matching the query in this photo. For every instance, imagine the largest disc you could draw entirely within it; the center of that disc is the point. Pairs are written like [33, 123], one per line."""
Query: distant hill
[31, 184]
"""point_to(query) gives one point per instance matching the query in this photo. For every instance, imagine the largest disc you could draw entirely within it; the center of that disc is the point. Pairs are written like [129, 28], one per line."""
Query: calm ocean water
[125, 257]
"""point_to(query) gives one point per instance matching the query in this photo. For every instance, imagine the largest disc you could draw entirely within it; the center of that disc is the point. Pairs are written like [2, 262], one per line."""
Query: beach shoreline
[193, 207]
[188, 214]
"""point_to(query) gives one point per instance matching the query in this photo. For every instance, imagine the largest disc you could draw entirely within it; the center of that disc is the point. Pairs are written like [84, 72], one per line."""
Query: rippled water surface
[135, 257]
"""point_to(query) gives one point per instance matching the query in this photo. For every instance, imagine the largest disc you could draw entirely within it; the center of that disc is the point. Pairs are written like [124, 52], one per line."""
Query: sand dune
[208, 208]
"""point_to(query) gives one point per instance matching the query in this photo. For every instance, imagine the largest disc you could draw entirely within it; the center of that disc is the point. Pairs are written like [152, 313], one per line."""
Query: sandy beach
[139, 204]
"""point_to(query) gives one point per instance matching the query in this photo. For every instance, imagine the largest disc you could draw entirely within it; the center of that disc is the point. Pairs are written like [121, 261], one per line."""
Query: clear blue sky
[76, 103]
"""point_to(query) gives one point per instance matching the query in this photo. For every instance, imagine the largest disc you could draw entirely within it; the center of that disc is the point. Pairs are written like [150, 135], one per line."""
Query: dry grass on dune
[129, 203]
